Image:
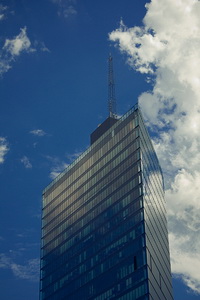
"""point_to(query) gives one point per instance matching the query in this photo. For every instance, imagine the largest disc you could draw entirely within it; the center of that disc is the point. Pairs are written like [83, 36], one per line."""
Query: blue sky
[53, 93]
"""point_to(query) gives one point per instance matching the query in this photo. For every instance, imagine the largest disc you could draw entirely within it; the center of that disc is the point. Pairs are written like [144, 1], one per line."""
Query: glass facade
[104, 228]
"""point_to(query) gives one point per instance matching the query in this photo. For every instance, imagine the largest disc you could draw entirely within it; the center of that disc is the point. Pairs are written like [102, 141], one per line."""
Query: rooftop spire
[111, 88]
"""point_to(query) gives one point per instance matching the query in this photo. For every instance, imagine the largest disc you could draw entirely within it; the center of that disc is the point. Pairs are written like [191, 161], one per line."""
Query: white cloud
[13, 48]
[3, 10]
[4, 65]
[3, 149]
[66, 8]
[38, 132]
[26, 162]
[185, 264]
[18, 44]
[166, 49]
[28, 271]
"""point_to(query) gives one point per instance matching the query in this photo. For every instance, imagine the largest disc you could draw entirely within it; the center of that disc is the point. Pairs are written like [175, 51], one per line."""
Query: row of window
[100, 248]
[156, 250]
[116, 155]
[132, 114]
[156, 217]
[85, 273]
[105, 200]
[84, 204]
[117, 135]
[147, 139]
[153, 191]
[136, 293]
[90, 209]
[104, 150]
[105, 286]
[151, 159]
[152, 176]
[155, 210]
[71, 200]
[79, 219]
[153, 201]
[114, 167]
[156, 234]
[74, 280]
[96, 257]
[149, 171]
[153, 197]
[83, 232]
[159, 289]
[53, 244]
[118, 288]
[162, 261]
[54, 259]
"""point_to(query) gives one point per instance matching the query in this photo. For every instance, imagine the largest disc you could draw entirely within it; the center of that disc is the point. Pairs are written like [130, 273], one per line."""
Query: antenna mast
[111, 89]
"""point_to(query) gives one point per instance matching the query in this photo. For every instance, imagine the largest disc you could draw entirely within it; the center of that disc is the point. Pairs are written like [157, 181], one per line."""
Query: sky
[53, 94]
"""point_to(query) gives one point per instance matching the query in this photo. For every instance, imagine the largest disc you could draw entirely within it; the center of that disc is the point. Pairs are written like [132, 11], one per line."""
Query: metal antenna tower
[111, 88]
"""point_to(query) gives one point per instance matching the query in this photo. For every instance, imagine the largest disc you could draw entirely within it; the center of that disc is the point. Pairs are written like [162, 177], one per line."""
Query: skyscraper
[104, 227]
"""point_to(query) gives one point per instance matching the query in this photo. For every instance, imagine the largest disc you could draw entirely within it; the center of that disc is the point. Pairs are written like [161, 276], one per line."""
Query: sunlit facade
[104, 227]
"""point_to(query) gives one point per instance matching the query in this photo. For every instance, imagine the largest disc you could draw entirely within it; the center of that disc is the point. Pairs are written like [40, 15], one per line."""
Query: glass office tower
[104, 227]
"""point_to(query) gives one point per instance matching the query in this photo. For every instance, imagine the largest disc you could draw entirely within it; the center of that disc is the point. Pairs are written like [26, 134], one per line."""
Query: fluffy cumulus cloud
[12, 48]
[66, 8]
[166, 49]
[18, 44]
[3, 149]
